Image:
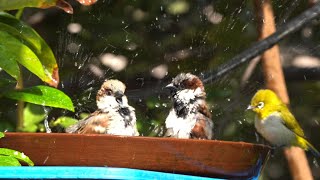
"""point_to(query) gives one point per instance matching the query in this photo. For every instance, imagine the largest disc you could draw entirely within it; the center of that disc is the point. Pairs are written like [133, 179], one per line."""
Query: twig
[19, 85]
[249, 70]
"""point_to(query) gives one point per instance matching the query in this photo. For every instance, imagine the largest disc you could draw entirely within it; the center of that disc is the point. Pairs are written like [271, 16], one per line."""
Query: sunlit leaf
[87, 2]
[42, 95]
[8, 161]
[33, 114]
[1, 134]
[18, 4]
[12, 49]
[178, 7]
[16, 154]
[65, 121]
[83, 115]
[32, 39]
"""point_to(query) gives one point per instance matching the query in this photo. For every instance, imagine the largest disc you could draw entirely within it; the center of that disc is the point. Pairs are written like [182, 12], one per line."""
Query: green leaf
[18, 4]
[8, 60]
[33, 115]
[83, 115]
[16, 154]
[42, 95]
[33, 40]
[65, 121]
[1, 135]
[9, 161]
[12, 50]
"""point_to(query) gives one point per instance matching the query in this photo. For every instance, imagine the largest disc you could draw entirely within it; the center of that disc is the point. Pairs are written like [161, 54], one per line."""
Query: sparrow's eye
[260, 105]
[108, 92]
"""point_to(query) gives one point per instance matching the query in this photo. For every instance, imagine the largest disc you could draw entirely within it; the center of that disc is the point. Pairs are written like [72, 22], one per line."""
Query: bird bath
[206, 158]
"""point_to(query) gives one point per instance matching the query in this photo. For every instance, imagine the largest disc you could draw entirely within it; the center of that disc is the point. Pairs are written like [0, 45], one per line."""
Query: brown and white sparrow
[114, 115]
[189, 117]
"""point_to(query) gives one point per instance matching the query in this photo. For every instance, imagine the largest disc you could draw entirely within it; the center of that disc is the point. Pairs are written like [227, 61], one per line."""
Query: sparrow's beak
[118, 95]
[171, 87]
[250, 107]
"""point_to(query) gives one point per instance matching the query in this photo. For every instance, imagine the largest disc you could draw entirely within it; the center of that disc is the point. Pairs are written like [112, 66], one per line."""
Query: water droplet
[244, 27]
[257, 136]
[157, 105]
[228, 99]
[164, 104]
[315, 162]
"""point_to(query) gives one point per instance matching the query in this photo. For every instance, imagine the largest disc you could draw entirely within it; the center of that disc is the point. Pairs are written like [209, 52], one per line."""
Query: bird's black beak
[118, 95]
[171, 87]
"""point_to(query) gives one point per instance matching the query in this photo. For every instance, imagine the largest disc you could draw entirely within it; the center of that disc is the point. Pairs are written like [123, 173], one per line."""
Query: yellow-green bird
[275, 122]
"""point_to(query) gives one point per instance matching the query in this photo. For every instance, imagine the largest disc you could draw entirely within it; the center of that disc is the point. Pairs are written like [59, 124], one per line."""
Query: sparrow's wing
[96, 123]
[291, 122]
[203, 128]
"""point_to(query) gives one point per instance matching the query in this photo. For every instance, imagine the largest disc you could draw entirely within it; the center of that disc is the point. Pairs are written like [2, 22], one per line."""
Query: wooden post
[274, 80]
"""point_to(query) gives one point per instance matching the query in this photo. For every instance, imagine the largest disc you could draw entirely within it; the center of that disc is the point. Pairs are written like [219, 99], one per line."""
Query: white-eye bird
[276, 123]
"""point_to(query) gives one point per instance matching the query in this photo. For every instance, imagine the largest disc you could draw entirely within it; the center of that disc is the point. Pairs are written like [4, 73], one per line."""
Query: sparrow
[276, 123]
[113, 116]
[189, 118]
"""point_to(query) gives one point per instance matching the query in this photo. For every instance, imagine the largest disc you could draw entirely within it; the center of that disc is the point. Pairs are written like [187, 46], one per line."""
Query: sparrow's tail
[308, 146]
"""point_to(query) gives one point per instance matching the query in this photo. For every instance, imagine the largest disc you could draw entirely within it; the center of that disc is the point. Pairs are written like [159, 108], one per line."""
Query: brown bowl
[186, 156]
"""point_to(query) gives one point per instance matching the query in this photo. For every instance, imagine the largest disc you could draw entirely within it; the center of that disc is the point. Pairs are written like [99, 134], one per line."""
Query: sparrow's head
[186, 81]
[111, 94]
[265, 102]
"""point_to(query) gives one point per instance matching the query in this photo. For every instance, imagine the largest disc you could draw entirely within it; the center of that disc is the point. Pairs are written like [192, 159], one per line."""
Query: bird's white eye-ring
[260, 105]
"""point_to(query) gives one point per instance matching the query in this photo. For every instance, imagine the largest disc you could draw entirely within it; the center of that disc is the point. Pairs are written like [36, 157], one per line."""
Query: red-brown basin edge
[197, 157]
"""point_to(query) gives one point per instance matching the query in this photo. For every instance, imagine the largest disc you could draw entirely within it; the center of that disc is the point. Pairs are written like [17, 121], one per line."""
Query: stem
[19, 85]
[19, 13]
[20, 106]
